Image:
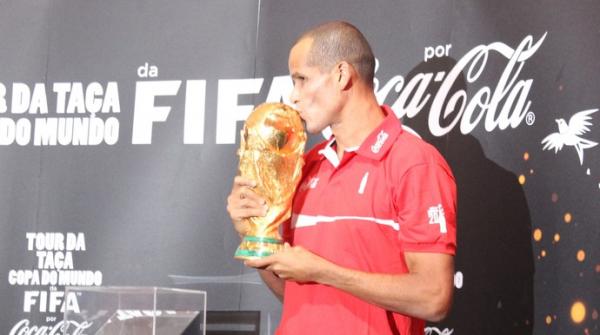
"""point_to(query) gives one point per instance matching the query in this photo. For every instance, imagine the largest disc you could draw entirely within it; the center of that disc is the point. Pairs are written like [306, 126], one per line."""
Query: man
[369, 248]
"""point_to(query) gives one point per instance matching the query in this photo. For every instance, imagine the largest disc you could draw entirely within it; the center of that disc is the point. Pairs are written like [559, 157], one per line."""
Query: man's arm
[424, 292]
[274, 283]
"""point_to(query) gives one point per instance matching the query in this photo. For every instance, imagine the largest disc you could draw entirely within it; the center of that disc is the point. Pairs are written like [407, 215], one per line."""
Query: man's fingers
[243, 213]
[236, 201]
[246, 193]
[259, 263]
[247, 208]
[243, 203]
[242, 189]
[249, 203]
[241, 182]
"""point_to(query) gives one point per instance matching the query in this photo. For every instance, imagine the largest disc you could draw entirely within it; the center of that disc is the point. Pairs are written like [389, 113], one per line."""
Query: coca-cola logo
[437, 331]
[23, 327]
[505, 105]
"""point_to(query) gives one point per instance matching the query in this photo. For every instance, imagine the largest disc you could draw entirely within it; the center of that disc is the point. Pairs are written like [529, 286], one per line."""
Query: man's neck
[358, 120]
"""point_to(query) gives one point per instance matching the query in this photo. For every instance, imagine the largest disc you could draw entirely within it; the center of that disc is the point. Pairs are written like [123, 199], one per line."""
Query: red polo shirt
[394, 193]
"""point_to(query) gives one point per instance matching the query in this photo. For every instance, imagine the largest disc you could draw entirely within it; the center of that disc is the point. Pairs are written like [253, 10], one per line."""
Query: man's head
[326, 63]
[340, 41]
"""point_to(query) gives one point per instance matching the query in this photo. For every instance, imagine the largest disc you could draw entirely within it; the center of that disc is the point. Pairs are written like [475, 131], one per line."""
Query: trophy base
[253, 247]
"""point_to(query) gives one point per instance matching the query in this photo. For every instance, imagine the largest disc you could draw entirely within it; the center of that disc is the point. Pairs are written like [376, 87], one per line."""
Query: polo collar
[375, 146]
[379, 142]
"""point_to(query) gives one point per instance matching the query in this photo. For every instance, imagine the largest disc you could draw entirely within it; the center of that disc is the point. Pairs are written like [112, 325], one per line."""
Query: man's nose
[294, 96]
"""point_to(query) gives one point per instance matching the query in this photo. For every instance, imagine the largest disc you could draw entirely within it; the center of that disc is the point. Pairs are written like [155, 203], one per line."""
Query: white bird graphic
[568, 134]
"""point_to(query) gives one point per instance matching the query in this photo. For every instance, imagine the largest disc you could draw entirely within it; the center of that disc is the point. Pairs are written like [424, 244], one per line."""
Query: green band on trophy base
[258, 247]
[258, 239]
[252, 253]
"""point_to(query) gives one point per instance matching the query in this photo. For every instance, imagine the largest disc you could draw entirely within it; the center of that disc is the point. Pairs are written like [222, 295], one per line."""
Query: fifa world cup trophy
[272, 145]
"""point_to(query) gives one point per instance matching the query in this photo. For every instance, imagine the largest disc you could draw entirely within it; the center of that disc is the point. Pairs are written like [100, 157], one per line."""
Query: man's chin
[308, 128]
[311, 129]
[324, 131]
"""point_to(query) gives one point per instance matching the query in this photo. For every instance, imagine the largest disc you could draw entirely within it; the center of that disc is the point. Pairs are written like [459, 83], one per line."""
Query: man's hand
[243, 203]
[292, 263]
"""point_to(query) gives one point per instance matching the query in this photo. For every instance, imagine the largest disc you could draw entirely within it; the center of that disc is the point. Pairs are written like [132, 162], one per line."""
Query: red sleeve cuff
[430, 247]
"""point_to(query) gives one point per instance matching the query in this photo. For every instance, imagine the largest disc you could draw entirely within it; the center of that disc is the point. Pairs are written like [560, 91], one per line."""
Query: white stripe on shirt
[300, 221]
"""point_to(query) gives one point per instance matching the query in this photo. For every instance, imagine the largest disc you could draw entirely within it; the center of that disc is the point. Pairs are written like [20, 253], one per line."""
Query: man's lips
[301, 115]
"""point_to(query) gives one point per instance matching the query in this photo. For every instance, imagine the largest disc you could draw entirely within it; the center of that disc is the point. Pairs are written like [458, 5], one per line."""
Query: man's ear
[343, 74]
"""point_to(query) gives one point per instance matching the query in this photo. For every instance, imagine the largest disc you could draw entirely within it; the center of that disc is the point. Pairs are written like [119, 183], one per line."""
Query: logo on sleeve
[437, 216]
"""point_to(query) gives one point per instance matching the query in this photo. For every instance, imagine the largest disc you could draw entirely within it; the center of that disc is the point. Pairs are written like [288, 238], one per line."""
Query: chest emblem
[311, 183]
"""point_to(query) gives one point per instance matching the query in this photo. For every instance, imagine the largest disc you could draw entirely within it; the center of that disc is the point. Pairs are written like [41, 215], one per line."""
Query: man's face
[315, 93]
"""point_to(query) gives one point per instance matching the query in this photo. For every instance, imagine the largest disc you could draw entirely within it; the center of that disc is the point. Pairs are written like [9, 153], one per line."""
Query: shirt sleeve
[425, 204]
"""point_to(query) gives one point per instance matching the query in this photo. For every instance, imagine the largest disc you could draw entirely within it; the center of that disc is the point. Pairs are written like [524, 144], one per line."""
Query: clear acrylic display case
[134, 310]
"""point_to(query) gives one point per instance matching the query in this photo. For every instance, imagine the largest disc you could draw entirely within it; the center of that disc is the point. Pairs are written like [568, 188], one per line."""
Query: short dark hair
[337, 41]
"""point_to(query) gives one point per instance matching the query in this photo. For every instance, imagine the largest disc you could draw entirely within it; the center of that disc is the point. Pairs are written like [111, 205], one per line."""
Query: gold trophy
[271, 149]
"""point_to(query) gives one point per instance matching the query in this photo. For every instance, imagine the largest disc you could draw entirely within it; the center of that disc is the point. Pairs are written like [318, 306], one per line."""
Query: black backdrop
[165, 85]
